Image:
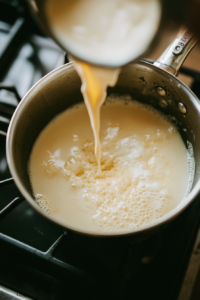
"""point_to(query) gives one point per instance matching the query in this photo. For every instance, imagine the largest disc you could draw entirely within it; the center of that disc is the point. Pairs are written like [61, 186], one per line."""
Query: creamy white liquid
[144, 166]
[104, 32]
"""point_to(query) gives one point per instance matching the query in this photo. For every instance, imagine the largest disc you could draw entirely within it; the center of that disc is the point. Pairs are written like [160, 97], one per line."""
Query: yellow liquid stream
[95, 81]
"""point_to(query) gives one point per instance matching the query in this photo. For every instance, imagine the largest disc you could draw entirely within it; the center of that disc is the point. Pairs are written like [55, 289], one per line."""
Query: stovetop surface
[39, 258]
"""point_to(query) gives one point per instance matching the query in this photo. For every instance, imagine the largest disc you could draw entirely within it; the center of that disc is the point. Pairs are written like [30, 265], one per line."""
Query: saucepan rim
[11, 162]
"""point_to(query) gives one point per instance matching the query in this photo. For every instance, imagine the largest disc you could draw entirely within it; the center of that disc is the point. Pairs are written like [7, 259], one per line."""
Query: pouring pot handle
[173, 57]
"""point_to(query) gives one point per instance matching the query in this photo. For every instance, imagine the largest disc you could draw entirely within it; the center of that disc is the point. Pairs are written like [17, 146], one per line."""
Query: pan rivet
[177, 48]
[163, 103]
[160, 91]
[182, 108]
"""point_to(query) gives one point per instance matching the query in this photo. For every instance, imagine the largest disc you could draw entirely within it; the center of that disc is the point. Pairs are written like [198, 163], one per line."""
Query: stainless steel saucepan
[155, 84]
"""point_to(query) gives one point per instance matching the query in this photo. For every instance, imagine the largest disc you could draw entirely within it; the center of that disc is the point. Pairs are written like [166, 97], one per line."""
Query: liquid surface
[109, 33]
[144, 165]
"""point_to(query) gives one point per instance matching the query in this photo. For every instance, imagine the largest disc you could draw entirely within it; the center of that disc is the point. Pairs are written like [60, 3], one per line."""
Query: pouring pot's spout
[173, 57]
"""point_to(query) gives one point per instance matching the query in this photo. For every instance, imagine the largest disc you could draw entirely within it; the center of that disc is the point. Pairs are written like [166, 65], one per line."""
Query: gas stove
[42, 261]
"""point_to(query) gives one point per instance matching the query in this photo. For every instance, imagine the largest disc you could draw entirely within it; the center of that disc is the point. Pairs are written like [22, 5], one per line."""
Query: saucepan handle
[173, 57]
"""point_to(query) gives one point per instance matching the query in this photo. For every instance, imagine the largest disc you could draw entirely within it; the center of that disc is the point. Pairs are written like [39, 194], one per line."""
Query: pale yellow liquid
[144, 166]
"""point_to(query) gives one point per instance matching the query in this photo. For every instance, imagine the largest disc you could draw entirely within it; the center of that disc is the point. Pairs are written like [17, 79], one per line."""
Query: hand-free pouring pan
[152, 84]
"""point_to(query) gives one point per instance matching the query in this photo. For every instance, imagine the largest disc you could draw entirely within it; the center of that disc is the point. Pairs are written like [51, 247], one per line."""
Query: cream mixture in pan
[145, 170]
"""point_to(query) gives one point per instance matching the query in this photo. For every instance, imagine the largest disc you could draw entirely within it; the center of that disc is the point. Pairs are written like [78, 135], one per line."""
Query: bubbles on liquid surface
[43, 203]
[133, 190]
[126, 196]
[191, 164]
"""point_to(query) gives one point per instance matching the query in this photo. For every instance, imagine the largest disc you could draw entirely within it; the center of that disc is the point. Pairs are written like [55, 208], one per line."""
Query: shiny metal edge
[7, 294]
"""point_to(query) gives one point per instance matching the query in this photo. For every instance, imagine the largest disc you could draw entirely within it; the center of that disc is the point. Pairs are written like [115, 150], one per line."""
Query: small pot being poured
[144, 82]
[100, 32]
